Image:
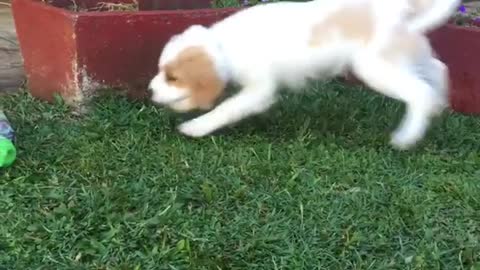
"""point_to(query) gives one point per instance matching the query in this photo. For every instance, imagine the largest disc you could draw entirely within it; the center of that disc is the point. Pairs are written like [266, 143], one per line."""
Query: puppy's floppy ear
[195, 70]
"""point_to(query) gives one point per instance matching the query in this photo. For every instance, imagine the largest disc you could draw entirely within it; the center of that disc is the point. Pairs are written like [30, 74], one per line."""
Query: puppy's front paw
[194, 128]
[402, 142]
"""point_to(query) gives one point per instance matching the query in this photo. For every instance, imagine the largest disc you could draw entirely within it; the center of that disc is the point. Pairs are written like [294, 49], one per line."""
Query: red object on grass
[73, 53]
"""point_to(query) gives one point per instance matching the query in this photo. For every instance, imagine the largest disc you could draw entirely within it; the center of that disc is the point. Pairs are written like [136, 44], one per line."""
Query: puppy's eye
[171, 78]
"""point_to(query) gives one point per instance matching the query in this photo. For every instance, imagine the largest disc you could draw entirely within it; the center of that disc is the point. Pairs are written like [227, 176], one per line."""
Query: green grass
[311, 185]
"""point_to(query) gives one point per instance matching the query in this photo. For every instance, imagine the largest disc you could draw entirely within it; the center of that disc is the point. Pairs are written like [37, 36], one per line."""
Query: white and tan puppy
[282, 44]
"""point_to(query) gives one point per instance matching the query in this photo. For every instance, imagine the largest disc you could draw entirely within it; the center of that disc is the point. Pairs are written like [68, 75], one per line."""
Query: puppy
[286, 44]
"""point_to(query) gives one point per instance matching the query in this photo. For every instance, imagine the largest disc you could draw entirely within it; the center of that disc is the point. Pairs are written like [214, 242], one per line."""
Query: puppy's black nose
[150, 88]
[149, 92]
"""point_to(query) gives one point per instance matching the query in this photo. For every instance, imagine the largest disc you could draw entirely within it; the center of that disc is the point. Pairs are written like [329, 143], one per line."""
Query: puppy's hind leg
[436, 74]
[399, 82]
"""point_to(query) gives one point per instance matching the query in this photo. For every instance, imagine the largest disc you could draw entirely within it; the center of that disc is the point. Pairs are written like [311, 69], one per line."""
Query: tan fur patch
[194, 70]
[354, 22]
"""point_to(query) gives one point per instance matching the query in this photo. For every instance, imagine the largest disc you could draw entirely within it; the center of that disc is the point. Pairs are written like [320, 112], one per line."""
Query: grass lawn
[314, 184]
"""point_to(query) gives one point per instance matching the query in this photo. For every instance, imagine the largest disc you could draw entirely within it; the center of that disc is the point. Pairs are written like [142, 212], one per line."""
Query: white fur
[435, 16]
[267, 46]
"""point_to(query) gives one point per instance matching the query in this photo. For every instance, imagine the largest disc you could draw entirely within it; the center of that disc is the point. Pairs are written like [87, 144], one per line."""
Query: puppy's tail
[430, 14]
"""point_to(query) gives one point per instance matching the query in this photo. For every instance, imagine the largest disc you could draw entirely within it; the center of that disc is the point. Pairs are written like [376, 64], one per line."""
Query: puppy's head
[189, 75]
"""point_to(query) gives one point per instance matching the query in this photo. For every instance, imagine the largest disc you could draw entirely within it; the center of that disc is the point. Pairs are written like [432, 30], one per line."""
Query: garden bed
[87, 49]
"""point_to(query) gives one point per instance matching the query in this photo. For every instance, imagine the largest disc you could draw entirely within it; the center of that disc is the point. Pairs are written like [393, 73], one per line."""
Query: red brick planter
[74, 53]
[459, 48]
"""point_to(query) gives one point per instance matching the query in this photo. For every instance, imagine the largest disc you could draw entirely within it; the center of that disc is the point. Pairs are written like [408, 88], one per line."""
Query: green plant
[467, 16]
